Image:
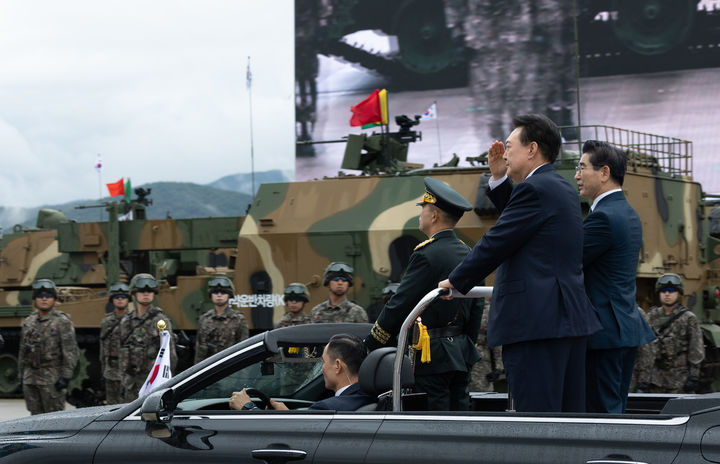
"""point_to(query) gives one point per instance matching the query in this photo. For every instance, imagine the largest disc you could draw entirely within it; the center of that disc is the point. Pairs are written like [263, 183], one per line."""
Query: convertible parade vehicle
[188, 419]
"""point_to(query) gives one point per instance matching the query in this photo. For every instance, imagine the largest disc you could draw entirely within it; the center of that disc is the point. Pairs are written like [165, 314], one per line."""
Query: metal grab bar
[475, 292]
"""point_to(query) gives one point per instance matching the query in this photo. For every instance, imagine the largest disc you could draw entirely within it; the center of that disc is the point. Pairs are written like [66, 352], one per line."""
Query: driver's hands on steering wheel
[278, 405]
[239, 399]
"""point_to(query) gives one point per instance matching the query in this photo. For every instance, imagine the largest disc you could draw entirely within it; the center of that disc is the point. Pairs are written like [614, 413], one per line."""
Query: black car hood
[59, 424]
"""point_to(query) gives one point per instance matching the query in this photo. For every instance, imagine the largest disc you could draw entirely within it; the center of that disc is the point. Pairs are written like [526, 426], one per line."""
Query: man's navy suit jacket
[536, 246]
[350, 399]
[612, 241]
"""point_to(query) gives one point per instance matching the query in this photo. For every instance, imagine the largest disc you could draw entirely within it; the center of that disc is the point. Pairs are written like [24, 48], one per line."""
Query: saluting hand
[496, 160]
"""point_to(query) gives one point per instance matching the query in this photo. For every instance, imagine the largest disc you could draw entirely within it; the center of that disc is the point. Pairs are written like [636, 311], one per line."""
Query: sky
[156, 89]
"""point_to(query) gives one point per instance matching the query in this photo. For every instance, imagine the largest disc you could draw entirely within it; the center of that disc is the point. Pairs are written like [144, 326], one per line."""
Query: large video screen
[470, 65]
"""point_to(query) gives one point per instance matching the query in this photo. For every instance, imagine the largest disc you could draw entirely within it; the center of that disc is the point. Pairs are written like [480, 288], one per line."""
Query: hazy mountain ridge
[227, 196]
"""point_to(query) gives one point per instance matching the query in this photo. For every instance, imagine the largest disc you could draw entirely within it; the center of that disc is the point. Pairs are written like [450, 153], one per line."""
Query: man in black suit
[611, 249]
[541, 315]
[342, 358]
[442, 369]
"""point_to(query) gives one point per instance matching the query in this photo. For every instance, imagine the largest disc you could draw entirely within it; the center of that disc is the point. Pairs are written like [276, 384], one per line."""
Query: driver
[342, 358]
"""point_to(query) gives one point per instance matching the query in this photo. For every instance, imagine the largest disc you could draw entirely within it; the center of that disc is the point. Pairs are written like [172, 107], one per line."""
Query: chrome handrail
[475, 292]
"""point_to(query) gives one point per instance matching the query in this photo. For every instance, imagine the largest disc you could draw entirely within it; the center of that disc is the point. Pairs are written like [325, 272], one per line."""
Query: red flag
[116, 188]
[367, 111]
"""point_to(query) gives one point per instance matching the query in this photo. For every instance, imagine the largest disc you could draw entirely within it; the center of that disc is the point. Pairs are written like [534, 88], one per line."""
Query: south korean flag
[160, 372]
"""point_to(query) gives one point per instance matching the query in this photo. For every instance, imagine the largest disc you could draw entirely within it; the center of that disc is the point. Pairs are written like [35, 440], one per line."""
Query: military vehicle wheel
[652, 27]
[8, 373]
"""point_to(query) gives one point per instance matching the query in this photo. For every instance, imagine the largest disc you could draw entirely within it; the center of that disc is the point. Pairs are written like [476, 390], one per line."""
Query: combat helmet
[669, 281]
[297, 291]
[222, 283]
[118, 289]
[338, 269]
[143, 281]
[44, 286]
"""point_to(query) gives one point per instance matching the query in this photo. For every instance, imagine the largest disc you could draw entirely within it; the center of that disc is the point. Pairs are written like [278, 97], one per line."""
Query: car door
[520, 438]
[195, 424]
[218, 437]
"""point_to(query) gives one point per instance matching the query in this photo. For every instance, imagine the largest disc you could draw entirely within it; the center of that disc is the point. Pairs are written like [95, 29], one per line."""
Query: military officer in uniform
[338, 277]
[676, 354]
[452, 326]
[110, 342]
[140, 338]
[221, 326]
[48, 352]
[296, 297]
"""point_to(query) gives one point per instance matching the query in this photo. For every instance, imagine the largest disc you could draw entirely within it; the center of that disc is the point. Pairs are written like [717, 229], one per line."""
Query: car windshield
[293, 373]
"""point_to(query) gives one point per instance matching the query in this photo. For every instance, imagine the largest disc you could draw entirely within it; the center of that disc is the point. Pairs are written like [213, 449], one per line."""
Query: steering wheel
[264, 400]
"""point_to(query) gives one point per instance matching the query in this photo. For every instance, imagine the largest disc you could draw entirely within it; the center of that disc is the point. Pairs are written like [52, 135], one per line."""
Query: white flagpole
[98, 168]
[437, 127]
[248, 82]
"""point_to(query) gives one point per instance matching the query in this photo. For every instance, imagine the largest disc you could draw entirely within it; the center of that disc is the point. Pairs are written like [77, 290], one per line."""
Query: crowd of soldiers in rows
[129, 340]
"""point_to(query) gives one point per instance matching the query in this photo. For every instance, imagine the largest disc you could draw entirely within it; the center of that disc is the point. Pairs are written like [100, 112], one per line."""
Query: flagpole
[437, 127]
[252, 145]
[98, 168]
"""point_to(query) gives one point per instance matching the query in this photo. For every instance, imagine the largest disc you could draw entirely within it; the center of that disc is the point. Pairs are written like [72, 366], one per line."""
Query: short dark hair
[603, 154]
[448, 218]
[348, 348]
[541, 130]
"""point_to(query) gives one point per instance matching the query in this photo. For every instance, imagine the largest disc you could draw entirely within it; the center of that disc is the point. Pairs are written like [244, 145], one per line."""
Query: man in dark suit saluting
[611, 247]
[541, 315]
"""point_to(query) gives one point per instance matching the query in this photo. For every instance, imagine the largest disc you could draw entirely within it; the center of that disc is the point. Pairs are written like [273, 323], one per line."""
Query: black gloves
[691, 384]
[493, 376]
[62, 383]
[643, 387]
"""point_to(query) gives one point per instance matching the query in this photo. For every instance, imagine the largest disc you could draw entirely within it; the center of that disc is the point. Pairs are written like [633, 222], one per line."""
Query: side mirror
[156, 412]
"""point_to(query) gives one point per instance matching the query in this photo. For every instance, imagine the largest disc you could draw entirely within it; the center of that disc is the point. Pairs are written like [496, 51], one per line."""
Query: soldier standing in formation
[222, 326]
[675, 356]
[48, 352]
[489, 369]
[442, 373]
[338, 277]
[140, 338]
[110, 342]
[296, 297]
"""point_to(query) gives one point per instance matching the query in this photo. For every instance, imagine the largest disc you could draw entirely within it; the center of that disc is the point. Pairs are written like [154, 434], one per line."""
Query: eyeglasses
[222, 291]
[45, 295]
[117, 297]
[582, 166]
[339, 278]
[668, 290]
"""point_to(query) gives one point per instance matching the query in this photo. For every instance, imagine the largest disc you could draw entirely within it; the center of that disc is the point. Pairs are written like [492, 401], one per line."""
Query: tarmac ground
[15, 408]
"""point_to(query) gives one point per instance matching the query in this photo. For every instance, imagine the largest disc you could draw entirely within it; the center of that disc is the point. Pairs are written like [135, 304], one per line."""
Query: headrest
[376, 372]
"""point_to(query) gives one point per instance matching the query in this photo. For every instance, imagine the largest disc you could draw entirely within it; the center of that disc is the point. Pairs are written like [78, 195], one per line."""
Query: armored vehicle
[370, 221]
[83, 259]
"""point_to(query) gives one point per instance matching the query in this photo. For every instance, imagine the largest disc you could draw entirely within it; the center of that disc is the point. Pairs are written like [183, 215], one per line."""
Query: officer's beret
[444, 197]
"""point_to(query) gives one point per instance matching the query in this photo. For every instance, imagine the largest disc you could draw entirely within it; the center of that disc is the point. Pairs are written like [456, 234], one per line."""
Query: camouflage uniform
[215, 333]
[677, 352]
[287, 320]
[490, 361]
[110, 357]
[48, 352]
[346, 311]
[139, 346]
